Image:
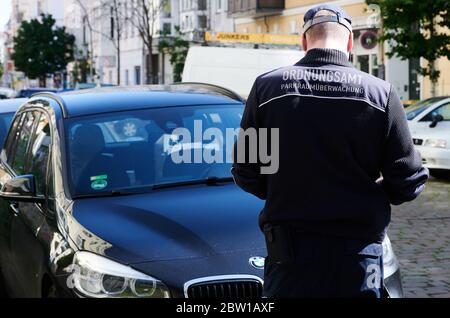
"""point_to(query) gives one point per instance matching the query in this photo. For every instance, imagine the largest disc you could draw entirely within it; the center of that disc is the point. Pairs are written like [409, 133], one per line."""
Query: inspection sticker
[99, 182]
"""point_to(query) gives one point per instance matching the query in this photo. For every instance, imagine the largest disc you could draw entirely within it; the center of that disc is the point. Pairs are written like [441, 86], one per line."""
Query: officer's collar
[325, 56]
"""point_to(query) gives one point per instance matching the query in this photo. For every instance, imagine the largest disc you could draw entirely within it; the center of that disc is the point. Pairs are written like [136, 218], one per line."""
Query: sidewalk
[420, 234]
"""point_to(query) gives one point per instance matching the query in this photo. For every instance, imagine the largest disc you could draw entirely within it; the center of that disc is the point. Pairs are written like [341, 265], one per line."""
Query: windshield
[148, 148]
[415, 110]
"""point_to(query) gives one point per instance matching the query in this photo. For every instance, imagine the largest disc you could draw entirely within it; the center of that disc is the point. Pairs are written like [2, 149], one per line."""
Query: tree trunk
[43, 81]
[433, 79]
[148, 64]
[118, 63]
[433, 63]
[148, 70]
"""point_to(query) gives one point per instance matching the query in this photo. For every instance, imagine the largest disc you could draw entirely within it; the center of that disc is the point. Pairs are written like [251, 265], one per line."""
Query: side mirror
[21, 189]
[437, 118]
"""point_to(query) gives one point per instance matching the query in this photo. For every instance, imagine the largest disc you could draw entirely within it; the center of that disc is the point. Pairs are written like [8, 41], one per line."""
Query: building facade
[285, 17]
[199, 16]
[96, 27]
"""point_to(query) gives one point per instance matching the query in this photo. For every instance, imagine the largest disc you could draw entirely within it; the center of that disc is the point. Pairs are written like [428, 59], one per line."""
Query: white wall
[397, 73]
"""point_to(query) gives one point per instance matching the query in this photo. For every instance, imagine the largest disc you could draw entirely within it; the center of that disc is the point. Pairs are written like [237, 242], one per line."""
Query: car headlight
[390, 265]
[436, 143]
[99, 277]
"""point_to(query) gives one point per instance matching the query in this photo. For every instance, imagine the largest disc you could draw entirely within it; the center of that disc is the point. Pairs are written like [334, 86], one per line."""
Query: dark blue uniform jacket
[340, 129]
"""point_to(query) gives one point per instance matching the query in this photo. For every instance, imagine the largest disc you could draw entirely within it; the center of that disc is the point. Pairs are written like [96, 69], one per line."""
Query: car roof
[36, 89]
[106, 100]
[435, 100]
[11, 105]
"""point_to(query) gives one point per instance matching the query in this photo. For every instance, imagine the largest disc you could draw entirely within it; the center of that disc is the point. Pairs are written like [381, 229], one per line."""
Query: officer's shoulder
[373, 80]
[276, 73]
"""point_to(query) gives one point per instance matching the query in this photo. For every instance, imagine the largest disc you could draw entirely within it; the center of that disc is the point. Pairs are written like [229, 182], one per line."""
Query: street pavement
[420, 234]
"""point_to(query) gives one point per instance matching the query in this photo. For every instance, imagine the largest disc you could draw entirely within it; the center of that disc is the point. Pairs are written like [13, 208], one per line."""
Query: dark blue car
[92, 203]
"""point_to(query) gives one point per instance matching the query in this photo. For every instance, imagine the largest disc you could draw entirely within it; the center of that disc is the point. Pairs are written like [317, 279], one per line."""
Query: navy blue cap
[341, 16]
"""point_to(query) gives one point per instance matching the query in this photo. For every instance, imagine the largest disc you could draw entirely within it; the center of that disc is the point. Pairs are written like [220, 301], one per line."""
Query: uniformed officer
[345, 155]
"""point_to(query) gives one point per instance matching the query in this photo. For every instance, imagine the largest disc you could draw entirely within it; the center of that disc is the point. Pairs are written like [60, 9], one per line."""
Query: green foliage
[81, 70]
[177, 47]
[41, 48]
[412, 27]
[2, 70]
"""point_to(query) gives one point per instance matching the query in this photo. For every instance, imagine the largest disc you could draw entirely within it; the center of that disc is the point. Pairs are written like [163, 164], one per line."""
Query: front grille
[242, 289]
[418, 142]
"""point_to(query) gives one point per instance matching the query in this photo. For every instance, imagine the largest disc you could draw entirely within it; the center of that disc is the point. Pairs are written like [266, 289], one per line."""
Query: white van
[234, 68]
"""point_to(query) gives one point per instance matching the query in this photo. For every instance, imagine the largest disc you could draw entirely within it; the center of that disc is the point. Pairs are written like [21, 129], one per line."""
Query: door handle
[15, 208]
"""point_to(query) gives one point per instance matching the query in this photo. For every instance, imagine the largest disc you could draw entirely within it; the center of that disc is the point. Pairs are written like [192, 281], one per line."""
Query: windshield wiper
[210, 181]
[112, 193]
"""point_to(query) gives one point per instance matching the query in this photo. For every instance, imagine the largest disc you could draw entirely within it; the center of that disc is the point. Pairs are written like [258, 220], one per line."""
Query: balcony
[254, 8]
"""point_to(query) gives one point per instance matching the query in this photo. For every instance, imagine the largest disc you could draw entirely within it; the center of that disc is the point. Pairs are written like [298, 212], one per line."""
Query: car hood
[431, 134]
[180, 223]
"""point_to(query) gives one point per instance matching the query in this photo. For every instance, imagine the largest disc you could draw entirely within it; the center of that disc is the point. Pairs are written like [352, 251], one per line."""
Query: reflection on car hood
[179, 223]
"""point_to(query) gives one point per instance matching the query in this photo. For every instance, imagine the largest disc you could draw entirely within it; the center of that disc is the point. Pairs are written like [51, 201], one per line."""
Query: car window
[40, 151]
[415, 110]
[444, 111]
[133, 149]
[5, 122]
[20, 153]
[14, 132]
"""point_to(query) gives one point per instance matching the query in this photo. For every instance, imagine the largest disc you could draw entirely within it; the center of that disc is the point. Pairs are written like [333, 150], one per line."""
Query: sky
[5, 10]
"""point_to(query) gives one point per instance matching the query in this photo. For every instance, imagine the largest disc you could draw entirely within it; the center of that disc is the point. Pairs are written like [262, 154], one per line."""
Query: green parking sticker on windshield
[99, 182]
[102, 177]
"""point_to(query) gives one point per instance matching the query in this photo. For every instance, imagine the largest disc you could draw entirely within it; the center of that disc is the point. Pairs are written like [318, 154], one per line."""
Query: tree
[116, 8]
[177, 47]
[41, 48]
[90, 51]
[416, 29]
[143, 17]
[82, 70]
[113, 12]
[1, 70]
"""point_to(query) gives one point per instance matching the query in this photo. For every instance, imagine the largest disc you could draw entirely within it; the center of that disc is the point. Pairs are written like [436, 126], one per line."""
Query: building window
[276, 28]
[127, 77]
[167, 10]
[167, 28]
[84, 30]
[294, 27]
[40, 7]
[201, 5]
[202, 22]
[137, 75]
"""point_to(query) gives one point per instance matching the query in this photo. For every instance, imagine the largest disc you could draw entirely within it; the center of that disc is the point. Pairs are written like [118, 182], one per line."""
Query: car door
[6, 213]
[27, 252]
[444, 111]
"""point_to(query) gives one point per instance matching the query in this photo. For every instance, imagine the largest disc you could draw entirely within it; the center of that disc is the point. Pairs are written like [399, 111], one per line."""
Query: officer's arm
[403, 173]
[248, 175]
